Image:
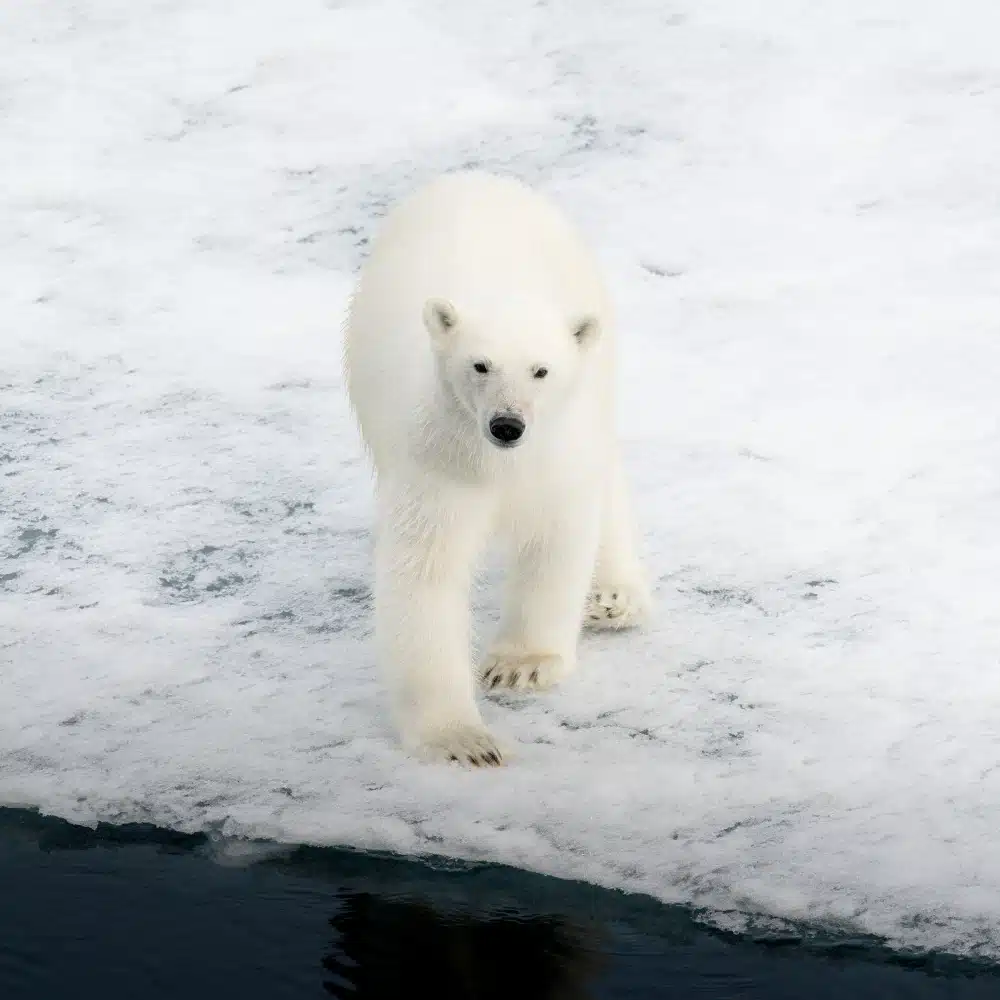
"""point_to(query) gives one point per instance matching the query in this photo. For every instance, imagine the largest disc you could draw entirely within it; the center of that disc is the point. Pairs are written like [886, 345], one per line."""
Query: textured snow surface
[799, 209]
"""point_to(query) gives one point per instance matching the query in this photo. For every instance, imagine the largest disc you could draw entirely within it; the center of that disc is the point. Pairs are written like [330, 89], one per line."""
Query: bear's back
[476, 238]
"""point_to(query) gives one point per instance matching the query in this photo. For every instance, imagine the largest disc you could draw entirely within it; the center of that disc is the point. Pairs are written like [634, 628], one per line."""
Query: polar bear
[480, 364]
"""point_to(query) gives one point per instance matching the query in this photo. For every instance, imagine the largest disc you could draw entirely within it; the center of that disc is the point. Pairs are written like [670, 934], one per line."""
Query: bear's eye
[541, 372]
[482, 367]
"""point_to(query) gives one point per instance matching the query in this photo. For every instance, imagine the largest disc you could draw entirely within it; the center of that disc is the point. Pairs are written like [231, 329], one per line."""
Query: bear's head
[505, 372]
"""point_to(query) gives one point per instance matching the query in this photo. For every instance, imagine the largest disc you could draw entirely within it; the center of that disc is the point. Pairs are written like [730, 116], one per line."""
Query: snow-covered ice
[799, 209]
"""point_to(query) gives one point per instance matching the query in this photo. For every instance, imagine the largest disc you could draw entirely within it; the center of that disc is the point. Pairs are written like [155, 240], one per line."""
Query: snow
[799, 210]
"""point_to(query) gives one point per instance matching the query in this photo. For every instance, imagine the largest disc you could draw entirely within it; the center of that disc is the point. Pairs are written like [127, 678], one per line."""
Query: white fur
[473, 269]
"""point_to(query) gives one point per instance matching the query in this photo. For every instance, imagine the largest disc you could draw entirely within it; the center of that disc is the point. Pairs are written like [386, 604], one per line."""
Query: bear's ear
[440, 318]
[586, 330]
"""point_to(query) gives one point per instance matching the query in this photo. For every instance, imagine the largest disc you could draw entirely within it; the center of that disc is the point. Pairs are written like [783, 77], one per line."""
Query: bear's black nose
[506, 430]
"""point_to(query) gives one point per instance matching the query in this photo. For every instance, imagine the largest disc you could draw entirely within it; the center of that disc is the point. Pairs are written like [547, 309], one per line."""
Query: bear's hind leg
[619, 597]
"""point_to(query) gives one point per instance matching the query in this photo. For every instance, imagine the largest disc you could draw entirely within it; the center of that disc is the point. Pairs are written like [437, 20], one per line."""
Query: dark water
[140, 912]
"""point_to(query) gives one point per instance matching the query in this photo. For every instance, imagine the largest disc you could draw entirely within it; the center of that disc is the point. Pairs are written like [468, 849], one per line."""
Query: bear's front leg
[427, 541]
[554, 552]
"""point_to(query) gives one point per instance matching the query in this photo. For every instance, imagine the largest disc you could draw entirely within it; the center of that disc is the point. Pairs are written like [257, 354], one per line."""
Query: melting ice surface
[797, 205]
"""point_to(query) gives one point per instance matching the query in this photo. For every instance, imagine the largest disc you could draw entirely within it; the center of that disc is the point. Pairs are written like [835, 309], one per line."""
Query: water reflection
[138, 911]
[391, 948]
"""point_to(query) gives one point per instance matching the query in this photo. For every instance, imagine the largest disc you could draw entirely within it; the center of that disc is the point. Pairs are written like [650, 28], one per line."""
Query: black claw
[495, 681]
[451, 756]
[514, 678]
[473, 761]
[493, 757]
[534, 676]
